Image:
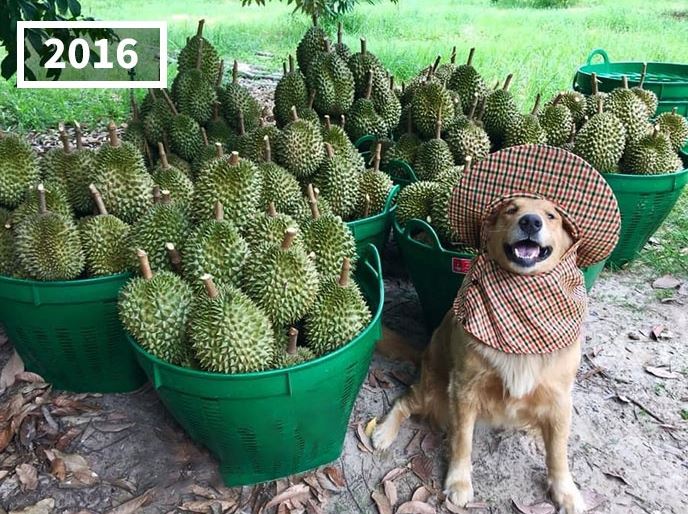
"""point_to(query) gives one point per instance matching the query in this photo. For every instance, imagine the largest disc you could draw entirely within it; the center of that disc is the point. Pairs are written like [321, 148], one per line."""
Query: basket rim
[633, 176]
[588, 69]
[66, 283]
[389, 208]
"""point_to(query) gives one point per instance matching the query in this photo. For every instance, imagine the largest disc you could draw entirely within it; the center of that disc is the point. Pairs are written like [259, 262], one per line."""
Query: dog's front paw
[567, 496]
[384, 434]
[458, 486]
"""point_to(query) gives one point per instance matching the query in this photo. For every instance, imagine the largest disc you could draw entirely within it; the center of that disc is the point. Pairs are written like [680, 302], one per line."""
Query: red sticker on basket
[460, 265]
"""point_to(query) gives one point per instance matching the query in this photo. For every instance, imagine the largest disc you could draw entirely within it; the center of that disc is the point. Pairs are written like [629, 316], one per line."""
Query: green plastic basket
[669, 81]
[364, 144]
[437, 273]
[401, 172]
[374, 229]
[267, 425]
[69, 333]
[644, 201]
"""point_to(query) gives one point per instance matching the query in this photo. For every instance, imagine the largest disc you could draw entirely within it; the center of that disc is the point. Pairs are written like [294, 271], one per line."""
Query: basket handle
[372, 259]
[391, 196]
[418, 224]
[363, 140]
[405, 167]
[598, 51]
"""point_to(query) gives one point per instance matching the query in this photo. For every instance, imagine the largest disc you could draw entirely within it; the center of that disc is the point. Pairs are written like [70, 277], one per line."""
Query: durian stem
[558, 99]
[235, 72]
[655, 130]
[624, 81]
[366, 206]
[199, 55]
[175, 257]
[378, 156]
[284, 68]
[468, 164]
[144, 265]
[204, 135]
[436, 63]
[234, 158]
[311, 99]
[42, 205]
[328, 124]
[340, 34]
[219, 211]
[314, 19]
[210, 287]
[507, 82]
[163, 156]
[642, 76]
[452, 56]
[342, 119]
[64, 138]
[199, 30]
[481, 110]
[474, 106]
[165, 197]
[593, 83]
[294, 114]
[151, 92]
[536, 107]
[313, 202]
[674, 110]
[220, 73]
[469, 61]
[409, 123]
[272, 212]
[391, 83]
[438, 124]
[496, 86]
[134, 107]
[216, 111]
[170, 103]
[289, 236]
[112, 134]
[369, 86]
[344, 273]
[600, 104]
[219, 150]
[329, 150]
[242, 127]
[79, 135]
[267, 149]
[293, 338]
[328, 48]
[98, 199]
[156, 194]
[363, 45]
[291, 63]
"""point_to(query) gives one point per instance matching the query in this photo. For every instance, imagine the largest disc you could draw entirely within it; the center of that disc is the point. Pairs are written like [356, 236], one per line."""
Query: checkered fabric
[581, 194]
[523, 314]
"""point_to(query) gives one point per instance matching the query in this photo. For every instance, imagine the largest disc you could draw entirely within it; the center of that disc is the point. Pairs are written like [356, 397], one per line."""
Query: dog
[464, 380]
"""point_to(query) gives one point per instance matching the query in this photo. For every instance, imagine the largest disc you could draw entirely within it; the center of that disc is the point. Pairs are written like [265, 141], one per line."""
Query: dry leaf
[296, 491]
[365, 440]
[422, 467]
[453, 508]
[617, 476]
[312, 507]
[535, 508]
[666, 282]
[592, 499]
[430, 442]
[28, 376]
[8, 375]
[324, 483]
[421, 494]
[58, 469]
[413, 445]
[132, 506]
[74, 465]
[205, 492]
[28, 476]
[477, 505]
[382, 503]
[44, 506]
[393, 474]
[6, 435]
[370, 427]
[662, 372]
[656, 332]
[206, 506]
[335, 475]
[381, 378]
[390, 492]
[414, 507]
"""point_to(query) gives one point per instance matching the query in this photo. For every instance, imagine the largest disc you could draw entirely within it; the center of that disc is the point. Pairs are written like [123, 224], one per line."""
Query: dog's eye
[512, 210]
[551, 216]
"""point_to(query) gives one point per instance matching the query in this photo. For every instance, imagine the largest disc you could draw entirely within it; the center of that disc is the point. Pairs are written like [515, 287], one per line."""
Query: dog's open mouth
[527, 252]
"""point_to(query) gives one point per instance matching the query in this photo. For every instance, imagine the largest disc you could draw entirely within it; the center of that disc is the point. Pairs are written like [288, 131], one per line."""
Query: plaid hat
[582, 196]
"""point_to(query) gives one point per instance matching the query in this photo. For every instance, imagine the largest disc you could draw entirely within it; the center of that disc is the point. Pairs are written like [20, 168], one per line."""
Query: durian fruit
[215, 246]
[235, 98]
[374, 188]
[340, 47]
[434, 156]
[415, 201]
[184, 133]
[576, 104]
[172, 179]
[300, 148]
[234, 182]
[135, 132]
[631, 110]
[468, 83]
[18, 169]
[500, 112]
[336, 136]
[228, 332]
[363, 118]
[207, 153]
[652, 154]
[332, 81]
[439, 210]
[280, 188]
[601, 140]
[157, 121]
[557, 121]
[338, 181]
[268, 228]
[252, 146]
[431, 101]
[290, 91]
[165, 222]
[406, 147]
[155, 311]
[308, 113]
[48, 245]
[339, 314]
[55, 200]
[363, 64]
[526, 129]
[467, 137]
[328, 237]
[311, 45]
[104, 240]
[676, 126]
[180, 164]
[292, 355]
[121, 177]
[648, 97]
[209, 59]
[218, 131]
[282, 280]
[443, 72]
[8, 257]
[591, 101]
[194, 91]
[387, 104]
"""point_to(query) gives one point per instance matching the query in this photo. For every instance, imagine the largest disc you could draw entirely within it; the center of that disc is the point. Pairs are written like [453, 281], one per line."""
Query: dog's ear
[491, 219]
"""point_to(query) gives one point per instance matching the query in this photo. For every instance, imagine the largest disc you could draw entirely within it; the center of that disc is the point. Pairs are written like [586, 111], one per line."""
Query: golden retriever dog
[464, 381]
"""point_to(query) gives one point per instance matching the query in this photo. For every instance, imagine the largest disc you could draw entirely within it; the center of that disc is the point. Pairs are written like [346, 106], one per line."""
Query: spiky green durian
[157, 121]
[439, 210]
[338, 181]
[374, 188]
[55, 200]
[466, 138]
[279, 186]
[311, 44]
[406, 146]
[676, 126]
[331, 80]
[229, 333]
[216, 247]
[557, 122]
[339, 314]
[576, 104]
[236, 98]
[193, 92]
[121, 177]
[253, 145]
[468, 83]
[135, 132]
[8, 257]
[219, 131]
[18, 169]
[300, 148]
[652, 154]
[184, 133]
[500, 112]
[387, 104]
[337, 137]
[648, 97]
[180, 164]
[526, 129]
[601, 140]
[104, 241]
[282, 280]
[593, 99]
[631, 110]
[444, 71]
[234, 182]
[290, 91]
[431, 102]
[340, 47]
[290, 354]
[172, 179]
[209, 59]
[363, 118]
[363, 64]
[208, 153]
[155, 310]
[433, 156]
[48, 245]
[415, 201]
[268, 228]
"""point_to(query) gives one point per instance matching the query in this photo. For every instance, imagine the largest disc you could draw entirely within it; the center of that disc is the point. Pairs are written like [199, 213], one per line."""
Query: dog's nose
[530, 224]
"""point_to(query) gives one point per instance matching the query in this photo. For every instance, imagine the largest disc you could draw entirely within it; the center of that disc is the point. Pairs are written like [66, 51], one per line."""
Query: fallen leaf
[390, 492]
[666, 282]
[616, 476]
[335, 475]
[662, 372]
[365, 440]
[453, 508]
[477, 505]
[413, 445]
[656, 332]
[430, 442]
[6, 435]
[28, 476]
[294, 492]
[206, 506]
[44, 506]
[205, 492]
[74, 465]
[370, 427]
[382, 503]
[382, 378]
[133, 505]
[394, 473]
[421, 494]
[535, 508]
[113, 427]
[312, 507]
[592, 499]
[323, 483]
[66, 439]
[28, 376]
[8, 375]
[414, 507]
[422, 467]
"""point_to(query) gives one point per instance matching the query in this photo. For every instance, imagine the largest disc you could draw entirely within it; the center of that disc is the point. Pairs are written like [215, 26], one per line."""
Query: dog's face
[527, 236]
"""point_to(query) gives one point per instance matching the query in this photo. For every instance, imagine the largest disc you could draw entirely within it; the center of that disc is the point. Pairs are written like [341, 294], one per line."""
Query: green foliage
[536, 4]
[319, 8]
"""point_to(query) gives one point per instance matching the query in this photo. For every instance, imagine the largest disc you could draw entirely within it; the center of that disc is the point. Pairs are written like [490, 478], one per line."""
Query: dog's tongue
[526, 250]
